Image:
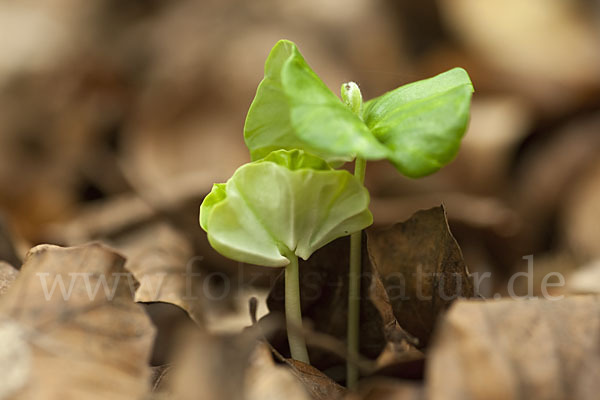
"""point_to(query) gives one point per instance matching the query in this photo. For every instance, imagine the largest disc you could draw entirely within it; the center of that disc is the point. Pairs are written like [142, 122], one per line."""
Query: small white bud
[352, 97]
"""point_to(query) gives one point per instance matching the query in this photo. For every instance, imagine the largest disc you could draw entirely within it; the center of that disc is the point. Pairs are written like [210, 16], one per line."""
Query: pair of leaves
[417, 127]
[290, 201]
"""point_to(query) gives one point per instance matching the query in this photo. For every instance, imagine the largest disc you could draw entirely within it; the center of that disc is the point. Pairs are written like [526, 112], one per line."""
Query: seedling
[417, 127]
[284, 206]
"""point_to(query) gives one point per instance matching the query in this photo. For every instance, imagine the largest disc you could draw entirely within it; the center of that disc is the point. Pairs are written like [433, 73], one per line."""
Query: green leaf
[293, 108]
[294, 160]
[288, 201]
[418, 127]
[422, 123]
[216, 195]
[268, 125]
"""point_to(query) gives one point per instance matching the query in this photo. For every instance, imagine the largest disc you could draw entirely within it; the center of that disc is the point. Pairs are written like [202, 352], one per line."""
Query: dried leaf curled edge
[422, 269]
[84, 344]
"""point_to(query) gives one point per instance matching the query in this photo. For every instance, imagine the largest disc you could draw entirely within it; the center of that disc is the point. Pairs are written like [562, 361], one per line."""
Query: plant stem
[354, 289]
[293, 312]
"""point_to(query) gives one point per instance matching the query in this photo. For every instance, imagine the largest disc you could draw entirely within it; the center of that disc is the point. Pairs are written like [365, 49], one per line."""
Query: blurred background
[117, 116]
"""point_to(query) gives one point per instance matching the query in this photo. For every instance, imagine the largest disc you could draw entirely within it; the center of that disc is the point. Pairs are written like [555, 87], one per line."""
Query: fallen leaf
[83, 344]
[208, 366]
[238, 366]
[15, 358]
[266, 380]
[159, 373]
[318, 385]
[162, 260]
[407, 366]
[168, 320]
[517, 349]
[400, 358]
[8, 274]
[421, 268]
[388, 389]
[159, 256]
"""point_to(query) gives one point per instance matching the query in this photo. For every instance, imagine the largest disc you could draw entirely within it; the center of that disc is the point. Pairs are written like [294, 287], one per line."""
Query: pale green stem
[352, 97]
[354, 290]
[293, 311]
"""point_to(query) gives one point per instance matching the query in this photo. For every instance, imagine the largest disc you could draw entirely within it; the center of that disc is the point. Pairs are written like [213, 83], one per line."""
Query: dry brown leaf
[266, 380]
[319, 385]
[15, 358]
[238, 367]
[82, 344]
[400, 357]
[512, 349]
[387, 389]
[168, 320]
[8, 274]
[208, 366]
[159, 256]
[422, 270]
[161, 259]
